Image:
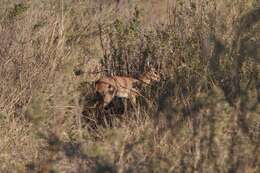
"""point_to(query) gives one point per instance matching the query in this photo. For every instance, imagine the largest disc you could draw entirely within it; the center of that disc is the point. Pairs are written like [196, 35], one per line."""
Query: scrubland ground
[203, 116]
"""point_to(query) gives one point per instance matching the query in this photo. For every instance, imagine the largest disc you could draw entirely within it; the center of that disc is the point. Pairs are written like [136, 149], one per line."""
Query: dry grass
[202, 117]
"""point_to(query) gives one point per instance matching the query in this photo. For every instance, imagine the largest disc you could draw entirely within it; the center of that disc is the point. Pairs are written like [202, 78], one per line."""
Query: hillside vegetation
[203, 116]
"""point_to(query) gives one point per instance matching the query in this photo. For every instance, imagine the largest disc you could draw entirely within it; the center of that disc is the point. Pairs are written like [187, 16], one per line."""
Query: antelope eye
[110, 87]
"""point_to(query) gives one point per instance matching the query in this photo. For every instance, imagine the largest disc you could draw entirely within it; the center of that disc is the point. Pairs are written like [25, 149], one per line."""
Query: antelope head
[150, 76]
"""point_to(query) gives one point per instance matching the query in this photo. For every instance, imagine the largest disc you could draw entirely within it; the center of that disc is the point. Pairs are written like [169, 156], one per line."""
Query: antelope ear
[156, 73]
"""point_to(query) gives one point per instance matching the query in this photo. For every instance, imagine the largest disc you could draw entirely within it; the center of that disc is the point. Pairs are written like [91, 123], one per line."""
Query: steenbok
[122, 86]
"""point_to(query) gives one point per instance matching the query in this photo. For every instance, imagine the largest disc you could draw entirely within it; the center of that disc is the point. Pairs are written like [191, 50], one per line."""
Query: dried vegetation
[202, 117]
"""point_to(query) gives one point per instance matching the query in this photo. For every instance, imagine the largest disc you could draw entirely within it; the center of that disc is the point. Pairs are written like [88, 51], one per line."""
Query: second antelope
[122, 86]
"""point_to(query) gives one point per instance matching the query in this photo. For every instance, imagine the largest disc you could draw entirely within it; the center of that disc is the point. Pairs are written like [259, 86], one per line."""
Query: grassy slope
[200, 119]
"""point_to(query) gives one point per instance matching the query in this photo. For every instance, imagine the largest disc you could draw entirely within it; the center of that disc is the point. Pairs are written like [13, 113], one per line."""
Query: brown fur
[121, 86]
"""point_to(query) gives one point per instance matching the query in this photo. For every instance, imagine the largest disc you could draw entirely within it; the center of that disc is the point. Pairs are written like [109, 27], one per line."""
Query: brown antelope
[122, 86]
